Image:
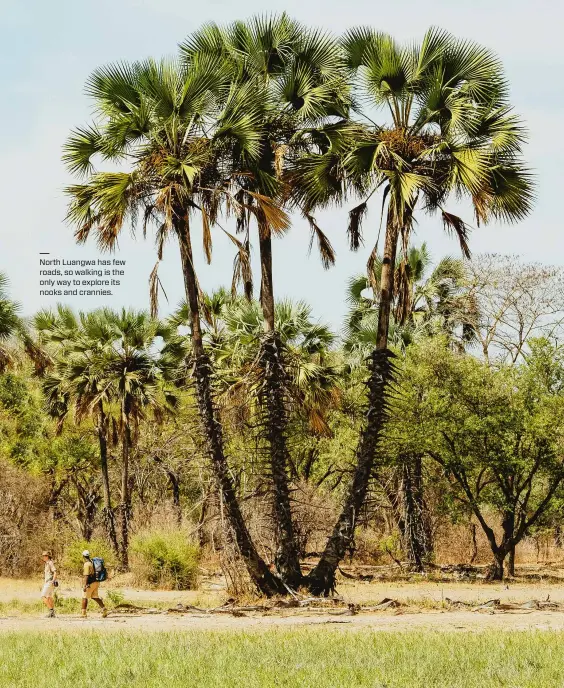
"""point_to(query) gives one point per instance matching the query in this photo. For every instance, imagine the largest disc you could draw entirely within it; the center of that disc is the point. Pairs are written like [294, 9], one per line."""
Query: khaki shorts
[48, 590]
[91, 592]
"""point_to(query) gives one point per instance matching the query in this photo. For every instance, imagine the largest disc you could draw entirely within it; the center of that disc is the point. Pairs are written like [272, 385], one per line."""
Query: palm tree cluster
[104, 365]
[261, 119]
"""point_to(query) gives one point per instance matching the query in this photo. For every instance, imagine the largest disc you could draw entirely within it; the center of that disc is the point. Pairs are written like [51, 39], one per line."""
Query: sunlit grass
[319, 658]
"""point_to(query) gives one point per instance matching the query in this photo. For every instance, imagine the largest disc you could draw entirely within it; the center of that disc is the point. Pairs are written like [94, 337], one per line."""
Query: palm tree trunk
[259, 572]
[414, 536]
[107, 512]
[125, 506]
[273, 405]
[321, 580]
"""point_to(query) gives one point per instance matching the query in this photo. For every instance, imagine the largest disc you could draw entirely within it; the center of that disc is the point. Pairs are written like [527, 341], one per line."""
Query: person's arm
[54, 571]
[85, 572]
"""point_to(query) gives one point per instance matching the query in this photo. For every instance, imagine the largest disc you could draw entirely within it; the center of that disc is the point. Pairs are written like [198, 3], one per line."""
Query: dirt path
[435, 620]
[422, 606]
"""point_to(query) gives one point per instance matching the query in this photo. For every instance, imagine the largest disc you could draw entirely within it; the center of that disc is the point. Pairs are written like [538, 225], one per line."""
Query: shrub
[72, 557]
[166, 559]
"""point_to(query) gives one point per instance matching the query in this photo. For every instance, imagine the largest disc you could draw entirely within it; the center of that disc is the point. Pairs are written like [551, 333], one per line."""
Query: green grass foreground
[307, 657]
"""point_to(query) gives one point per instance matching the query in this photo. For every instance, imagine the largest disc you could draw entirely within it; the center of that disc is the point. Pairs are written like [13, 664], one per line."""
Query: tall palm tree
[293, 80]
[449, 133]
[10, 322]
[169, 126]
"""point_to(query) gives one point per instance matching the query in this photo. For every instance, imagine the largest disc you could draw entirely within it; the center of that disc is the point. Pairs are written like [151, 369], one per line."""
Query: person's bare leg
[101, 604]
[84, 607]
[49, 602]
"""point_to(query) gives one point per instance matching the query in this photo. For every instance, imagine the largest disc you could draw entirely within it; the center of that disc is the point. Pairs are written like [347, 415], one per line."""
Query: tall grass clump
[165, 559]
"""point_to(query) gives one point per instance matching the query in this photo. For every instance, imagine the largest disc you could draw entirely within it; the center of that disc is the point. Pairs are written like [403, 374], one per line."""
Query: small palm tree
[10, 323]
[447, 131]
[429, 303]
[105, 366]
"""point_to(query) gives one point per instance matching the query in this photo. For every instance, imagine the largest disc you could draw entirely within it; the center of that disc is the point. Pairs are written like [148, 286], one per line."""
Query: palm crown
[450, 132]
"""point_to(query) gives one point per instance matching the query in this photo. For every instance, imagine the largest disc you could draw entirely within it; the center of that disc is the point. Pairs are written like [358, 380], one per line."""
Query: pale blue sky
[48, 49]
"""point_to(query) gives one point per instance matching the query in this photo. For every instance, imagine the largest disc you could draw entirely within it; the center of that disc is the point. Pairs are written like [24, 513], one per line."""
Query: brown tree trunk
[511, 563]
[495, 572]
[321, 580]
[275, 419]
[259, 572]
[107, 511]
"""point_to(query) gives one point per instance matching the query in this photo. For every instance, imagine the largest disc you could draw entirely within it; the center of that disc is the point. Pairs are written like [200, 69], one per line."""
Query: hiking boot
[50, 614]
[83, 614]
[104, 612]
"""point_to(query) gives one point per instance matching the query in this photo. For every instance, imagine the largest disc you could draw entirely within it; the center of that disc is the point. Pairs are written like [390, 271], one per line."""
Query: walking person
[90, 586]
[49, 584]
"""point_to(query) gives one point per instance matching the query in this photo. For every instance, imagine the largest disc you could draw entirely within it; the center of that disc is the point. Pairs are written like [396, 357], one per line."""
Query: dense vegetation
[278, 440]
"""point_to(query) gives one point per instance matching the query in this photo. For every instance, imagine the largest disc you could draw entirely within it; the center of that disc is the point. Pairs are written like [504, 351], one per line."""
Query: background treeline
[100, 435]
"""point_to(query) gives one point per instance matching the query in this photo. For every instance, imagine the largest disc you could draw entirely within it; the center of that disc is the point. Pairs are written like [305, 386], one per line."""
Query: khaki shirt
[88, 569]
[50, 570]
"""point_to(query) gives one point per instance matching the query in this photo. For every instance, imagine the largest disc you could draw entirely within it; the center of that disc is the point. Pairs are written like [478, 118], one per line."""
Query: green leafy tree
[498, 435]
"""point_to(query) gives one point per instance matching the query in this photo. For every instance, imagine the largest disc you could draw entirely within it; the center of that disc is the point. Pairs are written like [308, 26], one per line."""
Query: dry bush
[25, 527]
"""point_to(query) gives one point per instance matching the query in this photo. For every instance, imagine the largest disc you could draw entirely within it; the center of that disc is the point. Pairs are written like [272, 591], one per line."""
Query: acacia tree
[168, 125]
[293, 80]
[515, 302]
[450, 133]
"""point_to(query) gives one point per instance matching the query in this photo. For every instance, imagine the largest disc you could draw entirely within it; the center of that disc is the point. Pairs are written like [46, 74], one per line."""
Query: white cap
[86, 553]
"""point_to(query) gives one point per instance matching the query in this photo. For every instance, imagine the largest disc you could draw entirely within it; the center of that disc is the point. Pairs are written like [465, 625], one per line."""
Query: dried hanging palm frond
[268, 213]
[41, 360]
[207, 239]
[370, 272]
[326, 250]
[454, 224]
[279, 153]
[356, 217]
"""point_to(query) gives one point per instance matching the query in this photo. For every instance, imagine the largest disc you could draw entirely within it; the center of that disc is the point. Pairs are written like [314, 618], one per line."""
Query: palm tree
[105, 366]
[170, 126]
[313, 375]
[292, 82]
[131, 376]
[10, 322]
[429, 303]
[449, 133]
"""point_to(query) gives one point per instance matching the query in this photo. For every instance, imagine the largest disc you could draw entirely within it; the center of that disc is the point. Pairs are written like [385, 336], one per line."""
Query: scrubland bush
[165, 559]
[72, 557]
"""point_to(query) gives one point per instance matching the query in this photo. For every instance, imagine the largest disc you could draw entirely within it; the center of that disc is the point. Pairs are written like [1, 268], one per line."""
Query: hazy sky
[48, 49]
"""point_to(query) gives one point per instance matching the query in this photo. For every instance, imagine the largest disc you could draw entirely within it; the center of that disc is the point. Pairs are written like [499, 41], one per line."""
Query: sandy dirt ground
[383, 621]
[420, 609]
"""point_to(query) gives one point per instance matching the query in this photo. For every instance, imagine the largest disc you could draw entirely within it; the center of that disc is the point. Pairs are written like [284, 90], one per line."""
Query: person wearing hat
[90, 586]
[50, 583]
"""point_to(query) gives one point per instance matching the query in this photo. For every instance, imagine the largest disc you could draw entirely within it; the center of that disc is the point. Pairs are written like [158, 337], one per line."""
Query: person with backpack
[50, 583]
[93, 573]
